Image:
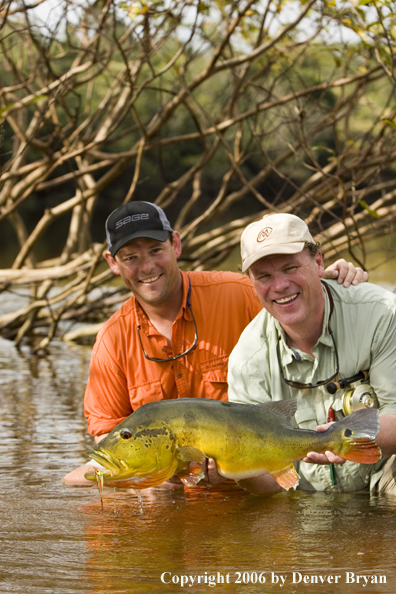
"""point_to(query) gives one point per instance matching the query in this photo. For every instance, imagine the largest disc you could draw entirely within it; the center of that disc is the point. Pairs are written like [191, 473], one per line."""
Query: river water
[57, 539]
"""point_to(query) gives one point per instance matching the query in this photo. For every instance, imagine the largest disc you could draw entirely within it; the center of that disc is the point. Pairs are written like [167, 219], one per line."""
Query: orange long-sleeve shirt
[120, 377]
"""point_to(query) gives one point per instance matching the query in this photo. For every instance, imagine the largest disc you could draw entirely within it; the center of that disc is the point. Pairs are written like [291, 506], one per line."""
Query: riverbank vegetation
[218, 111]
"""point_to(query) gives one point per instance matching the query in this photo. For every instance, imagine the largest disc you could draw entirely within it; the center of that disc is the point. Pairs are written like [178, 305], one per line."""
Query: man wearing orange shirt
[171, 339]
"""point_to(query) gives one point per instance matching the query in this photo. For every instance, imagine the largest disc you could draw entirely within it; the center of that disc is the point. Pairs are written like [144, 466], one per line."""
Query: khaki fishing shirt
[364, 327]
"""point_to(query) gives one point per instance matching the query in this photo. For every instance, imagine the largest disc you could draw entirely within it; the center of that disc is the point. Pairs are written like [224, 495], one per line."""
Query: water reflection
[56, 539]
[297, 536]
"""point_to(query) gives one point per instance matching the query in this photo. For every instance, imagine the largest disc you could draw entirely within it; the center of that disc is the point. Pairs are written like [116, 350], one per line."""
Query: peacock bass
[162, 438]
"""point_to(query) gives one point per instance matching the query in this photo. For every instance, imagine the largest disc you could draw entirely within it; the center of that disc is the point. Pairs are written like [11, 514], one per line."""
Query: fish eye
[125, 434]
[348, 433]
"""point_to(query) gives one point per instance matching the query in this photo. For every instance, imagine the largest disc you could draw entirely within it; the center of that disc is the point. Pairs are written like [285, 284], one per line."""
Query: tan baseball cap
[279, 233]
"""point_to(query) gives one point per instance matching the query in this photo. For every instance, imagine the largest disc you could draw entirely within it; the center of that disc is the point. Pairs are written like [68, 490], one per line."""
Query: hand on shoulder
[346, 273]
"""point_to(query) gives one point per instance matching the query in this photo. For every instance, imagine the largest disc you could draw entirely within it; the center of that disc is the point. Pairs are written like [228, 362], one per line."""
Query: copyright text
[213, 579]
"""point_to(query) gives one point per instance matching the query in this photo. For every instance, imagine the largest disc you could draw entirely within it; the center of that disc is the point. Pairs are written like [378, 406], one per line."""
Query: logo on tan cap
[264, 234]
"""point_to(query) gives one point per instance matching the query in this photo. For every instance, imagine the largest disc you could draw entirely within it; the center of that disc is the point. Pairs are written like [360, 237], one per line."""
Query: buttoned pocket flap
[145, 392]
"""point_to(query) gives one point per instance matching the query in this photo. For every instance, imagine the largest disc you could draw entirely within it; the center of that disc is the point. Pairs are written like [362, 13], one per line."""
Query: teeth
[286, 299]
[150, 280]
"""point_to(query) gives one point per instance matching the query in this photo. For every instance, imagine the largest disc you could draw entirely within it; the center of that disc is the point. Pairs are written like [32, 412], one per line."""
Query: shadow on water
[56, 539]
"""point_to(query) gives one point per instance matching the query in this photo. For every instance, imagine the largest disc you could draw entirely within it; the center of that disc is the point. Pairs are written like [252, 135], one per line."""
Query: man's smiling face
[289, 287]
[149, 269]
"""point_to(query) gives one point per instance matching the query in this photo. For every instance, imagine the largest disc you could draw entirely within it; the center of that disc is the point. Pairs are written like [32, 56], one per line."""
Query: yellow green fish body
[161, 438]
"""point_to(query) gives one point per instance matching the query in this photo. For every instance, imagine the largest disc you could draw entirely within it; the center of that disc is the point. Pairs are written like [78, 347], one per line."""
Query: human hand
[212, 477]
[346, 273]
[327, 457]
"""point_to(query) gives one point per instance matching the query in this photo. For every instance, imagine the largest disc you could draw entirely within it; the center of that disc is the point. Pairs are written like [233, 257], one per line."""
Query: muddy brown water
[56, 538]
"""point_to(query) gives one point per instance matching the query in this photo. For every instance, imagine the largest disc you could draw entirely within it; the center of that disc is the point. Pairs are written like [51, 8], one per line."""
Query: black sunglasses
[299, 385]
[158, 360]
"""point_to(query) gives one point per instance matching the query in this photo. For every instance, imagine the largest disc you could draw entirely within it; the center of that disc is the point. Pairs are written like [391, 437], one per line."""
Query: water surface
[57, 539]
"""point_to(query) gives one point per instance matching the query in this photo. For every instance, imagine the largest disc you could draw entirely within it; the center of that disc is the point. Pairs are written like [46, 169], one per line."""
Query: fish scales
[164, 437]
[229, 443]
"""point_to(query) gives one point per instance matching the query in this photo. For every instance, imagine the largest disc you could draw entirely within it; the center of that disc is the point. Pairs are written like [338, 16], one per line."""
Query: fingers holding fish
[326, 458]
[324, 427]
[212, 476]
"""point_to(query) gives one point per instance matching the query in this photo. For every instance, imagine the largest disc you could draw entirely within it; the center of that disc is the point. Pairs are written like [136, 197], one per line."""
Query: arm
[386, 438]
[346, 273]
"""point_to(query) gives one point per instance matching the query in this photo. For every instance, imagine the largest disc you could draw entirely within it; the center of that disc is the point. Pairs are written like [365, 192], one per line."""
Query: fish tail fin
[358, 432]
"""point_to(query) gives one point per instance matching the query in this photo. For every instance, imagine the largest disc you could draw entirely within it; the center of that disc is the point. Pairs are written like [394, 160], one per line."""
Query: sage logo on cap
[135, 220]
[131, 219]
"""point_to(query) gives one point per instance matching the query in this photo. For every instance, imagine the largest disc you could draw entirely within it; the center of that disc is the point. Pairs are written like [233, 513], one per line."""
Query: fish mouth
[118, 469]
[105, 460]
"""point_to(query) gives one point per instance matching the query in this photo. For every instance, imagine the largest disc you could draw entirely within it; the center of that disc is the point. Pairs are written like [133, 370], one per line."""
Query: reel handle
[332, 387]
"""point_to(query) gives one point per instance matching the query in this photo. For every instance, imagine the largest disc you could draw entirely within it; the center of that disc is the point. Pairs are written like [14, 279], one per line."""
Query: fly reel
[358, 393]
[361, 396]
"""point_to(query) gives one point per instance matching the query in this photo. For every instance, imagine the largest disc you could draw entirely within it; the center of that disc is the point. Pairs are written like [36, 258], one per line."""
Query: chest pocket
[306, 418]
[214, 375]
[144, 393]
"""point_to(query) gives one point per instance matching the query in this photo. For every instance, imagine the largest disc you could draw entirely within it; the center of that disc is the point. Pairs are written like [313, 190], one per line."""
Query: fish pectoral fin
[192, 475]
[287, 478]
[190, 454]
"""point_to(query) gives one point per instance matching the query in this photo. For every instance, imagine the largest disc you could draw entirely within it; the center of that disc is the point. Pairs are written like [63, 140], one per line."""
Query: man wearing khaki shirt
[309, 333]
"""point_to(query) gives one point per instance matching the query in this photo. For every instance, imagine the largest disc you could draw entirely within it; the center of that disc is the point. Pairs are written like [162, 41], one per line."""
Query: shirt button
[179, 375]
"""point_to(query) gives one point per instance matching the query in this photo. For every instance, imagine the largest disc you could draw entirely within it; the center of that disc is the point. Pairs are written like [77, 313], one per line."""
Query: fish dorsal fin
[190, 454]
[283, 408]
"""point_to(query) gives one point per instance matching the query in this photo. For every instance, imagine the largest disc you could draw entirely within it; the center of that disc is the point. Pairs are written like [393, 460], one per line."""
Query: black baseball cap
[134, 220]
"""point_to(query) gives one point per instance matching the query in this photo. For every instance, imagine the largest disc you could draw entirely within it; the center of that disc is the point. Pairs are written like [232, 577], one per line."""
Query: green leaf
[390, 122]
[5, 108]
[38, 98]
[373, 213]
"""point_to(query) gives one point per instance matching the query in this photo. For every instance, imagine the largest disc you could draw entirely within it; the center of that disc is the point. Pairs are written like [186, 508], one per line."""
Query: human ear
[111, 262]
[319, 263]
[177, 245]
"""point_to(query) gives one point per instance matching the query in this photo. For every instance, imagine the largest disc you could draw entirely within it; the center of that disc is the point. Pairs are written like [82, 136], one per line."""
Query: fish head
[144, 455]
